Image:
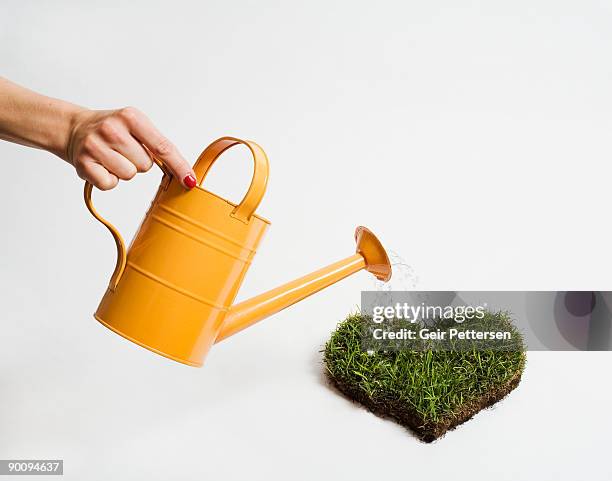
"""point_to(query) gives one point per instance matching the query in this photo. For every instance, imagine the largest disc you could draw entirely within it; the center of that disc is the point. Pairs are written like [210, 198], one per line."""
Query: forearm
[35, 120]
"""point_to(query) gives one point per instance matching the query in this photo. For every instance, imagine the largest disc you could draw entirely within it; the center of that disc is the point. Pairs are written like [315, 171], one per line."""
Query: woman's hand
[102, 145]
[107, 145]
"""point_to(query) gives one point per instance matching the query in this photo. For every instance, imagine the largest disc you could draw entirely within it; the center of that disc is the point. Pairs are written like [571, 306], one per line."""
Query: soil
[428, 431]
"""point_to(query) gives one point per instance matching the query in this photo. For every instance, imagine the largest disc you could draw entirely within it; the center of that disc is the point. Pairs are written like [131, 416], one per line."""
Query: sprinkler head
[377, 261]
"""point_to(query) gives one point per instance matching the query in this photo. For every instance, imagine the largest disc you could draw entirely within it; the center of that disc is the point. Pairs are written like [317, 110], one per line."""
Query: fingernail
[190, 181]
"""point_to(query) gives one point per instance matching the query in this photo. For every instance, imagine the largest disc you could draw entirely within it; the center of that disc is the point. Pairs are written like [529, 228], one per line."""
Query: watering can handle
[257, 189]
[241, 212]
[121, 251]
[121, 254]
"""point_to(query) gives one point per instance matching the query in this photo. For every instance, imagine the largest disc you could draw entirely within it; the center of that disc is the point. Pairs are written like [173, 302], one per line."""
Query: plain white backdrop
[472, 137]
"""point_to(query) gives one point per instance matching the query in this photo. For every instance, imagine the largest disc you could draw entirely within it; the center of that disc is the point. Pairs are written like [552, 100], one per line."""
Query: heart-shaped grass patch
[428, 391]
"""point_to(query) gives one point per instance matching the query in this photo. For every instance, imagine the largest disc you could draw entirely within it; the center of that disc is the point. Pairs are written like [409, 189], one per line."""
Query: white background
[472, 137]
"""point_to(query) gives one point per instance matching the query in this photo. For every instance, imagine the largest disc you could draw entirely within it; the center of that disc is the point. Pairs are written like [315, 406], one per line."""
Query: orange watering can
[157, 299]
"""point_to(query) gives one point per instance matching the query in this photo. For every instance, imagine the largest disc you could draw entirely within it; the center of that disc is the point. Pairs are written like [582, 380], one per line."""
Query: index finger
[146, 133]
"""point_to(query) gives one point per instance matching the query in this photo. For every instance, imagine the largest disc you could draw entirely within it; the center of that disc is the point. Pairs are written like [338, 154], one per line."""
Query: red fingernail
[190, 181]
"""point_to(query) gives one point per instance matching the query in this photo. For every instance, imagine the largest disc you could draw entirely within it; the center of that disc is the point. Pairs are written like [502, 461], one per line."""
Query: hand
[107, 145]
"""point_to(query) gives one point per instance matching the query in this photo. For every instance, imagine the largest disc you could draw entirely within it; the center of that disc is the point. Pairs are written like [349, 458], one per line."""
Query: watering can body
[173, 291]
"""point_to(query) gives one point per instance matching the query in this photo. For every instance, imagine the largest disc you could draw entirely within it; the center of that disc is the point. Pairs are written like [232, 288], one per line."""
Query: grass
[428, 391]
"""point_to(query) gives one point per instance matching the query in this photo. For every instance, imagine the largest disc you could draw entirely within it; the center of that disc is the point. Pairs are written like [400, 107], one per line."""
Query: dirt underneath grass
[429, 392]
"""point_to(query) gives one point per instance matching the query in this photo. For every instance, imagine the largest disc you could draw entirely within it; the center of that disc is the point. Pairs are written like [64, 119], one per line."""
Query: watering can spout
[369, 255]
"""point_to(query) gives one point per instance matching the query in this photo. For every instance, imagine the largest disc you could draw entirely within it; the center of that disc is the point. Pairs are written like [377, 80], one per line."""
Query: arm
[102, 145]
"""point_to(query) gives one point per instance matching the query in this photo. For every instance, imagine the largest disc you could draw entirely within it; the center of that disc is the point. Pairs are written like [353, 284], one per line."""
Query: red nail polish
[190, 181]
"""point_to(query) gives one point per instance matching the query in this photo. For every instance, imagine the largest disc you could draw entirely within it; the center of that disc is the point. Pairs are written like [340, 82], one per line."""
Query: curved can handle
[121, 254]
[245, 209]
[121, 250]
